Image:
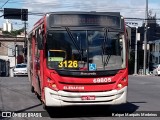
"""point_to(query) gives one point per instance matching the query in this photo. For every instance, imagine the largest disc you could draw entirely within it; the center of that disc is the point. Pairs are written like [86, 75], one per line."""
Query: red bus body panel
[41, 74]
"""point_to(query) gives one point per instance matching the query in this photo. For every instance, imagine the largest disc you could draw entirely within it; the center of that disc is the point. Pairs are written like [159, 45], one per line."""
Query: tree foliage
[14, 32]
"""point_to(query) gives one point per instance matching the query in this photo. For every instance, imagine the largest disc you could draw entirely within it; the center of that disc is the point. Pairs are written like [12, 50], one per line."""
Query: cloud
[154, 8]
[41, 6]
[127, 8]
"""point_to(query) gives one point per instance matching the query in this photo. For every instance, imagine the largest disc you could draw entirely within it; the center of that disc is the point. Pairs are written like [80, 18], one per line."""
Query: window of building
[157, 48]
[156, 60]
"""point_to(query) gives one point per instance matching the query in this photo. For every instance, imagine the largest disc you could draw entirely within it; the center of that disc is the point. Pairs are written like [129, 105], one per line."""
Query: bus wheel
[38, 96]
[44, 106]
[32, 89]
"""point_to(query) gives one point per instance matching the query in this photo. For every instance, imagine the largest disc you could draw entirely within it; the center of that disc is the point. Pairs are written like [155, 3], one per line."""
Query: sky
[36, 8]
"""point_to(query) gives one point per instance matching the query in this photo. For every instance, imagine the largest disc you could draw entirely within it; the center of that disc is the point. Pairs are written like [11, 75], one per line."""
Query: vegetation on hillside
[14, 32]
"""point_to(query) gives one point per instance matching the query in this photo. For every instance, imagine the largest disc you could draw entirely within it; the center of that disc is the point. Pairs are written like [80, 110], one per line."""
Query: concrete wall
[5, 48]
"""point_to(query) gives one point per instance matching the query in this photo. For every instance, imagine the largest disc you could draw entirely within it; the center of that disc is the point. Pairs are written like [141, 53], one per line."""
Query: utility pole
[137, 37]
[135, 62]
[145, 39]
[16, 53]
[25, 41]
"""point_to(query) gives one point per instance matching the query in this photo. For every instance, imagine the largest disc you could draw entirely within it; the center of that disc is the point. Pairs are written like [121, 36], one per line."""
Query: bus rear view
[79, 58]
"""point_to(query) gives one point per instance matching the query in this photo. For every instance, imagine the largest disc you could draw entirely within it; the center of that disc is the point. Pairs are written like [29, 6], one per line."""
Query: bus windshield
[85, 50]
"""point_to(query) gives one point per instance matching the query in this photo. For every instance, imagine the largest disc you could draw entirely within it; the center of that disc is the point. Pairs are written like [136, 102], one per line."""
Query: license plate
[88, 97]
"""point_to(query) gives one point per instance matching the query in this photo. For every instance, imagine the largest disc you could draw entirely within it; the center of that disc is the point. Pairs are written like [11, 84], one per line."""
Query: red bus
[79, 58]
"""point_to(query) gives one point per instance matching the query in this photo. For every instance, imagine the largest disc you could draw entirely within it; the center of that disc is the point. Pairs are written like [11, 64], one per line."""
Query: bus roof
[40, 21]
[78, 12]
[82, 12]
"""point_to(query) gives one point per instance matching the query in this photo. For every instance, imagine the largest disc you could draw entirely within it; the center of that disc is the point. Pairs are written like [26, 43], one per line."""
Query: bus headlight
[51, 84]
[122, 83]
[119, 85]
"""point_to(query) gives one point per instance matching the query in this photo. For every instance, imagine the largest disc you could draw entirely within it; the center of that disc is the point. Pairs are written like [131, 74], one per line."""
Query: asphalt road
[143, 95]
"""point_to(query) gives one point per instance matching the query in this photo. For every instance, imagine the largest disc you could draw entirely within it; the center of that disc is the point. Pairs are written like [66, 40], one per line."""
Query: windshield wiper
[105, 59]
[74, 41]
[104, 48]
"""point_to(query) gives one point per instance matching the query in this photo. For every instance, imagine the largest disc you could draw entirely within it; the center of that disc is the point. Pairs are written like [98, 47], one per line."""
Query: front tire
[44, 106]
[32, 89]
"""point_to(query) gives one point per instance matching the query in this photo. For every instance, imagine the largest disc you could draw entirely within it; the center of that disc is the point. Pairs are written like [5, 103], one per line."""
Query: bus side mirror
[37, 65]
[40, 40]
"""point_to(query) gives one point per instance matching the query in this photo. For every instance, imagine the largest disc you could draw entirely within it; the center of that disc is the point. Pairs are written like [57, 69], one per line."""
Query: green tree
[14, 33]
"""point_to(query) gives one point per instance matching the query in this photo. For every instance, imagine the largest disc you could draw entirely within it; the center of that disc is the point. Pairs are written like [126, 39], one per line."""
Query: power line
[70, 5]
[141, 19]
[1, 15]
[4, 4]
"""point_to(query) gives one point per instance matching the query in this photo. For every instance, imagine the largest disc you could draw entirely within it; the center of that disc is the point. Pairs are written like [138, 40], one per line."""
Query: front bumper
[20, 73]
[63, 98]
[158, 72]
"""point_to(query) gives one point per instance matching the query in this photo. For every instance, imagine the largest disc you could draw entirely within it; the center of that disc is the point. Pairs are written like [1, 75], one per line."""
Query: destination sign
[84, 20]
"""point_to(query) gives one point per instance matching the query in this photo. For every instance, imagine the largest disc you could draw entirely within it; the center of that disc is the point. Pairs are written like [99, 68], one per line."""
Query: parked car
[20, 70]
[156, 70]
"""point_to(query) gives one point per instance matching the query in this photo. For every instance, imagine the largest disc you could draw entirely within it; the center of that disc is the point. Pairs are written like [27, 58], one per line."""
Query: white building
[7, 26]
[154, 52]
